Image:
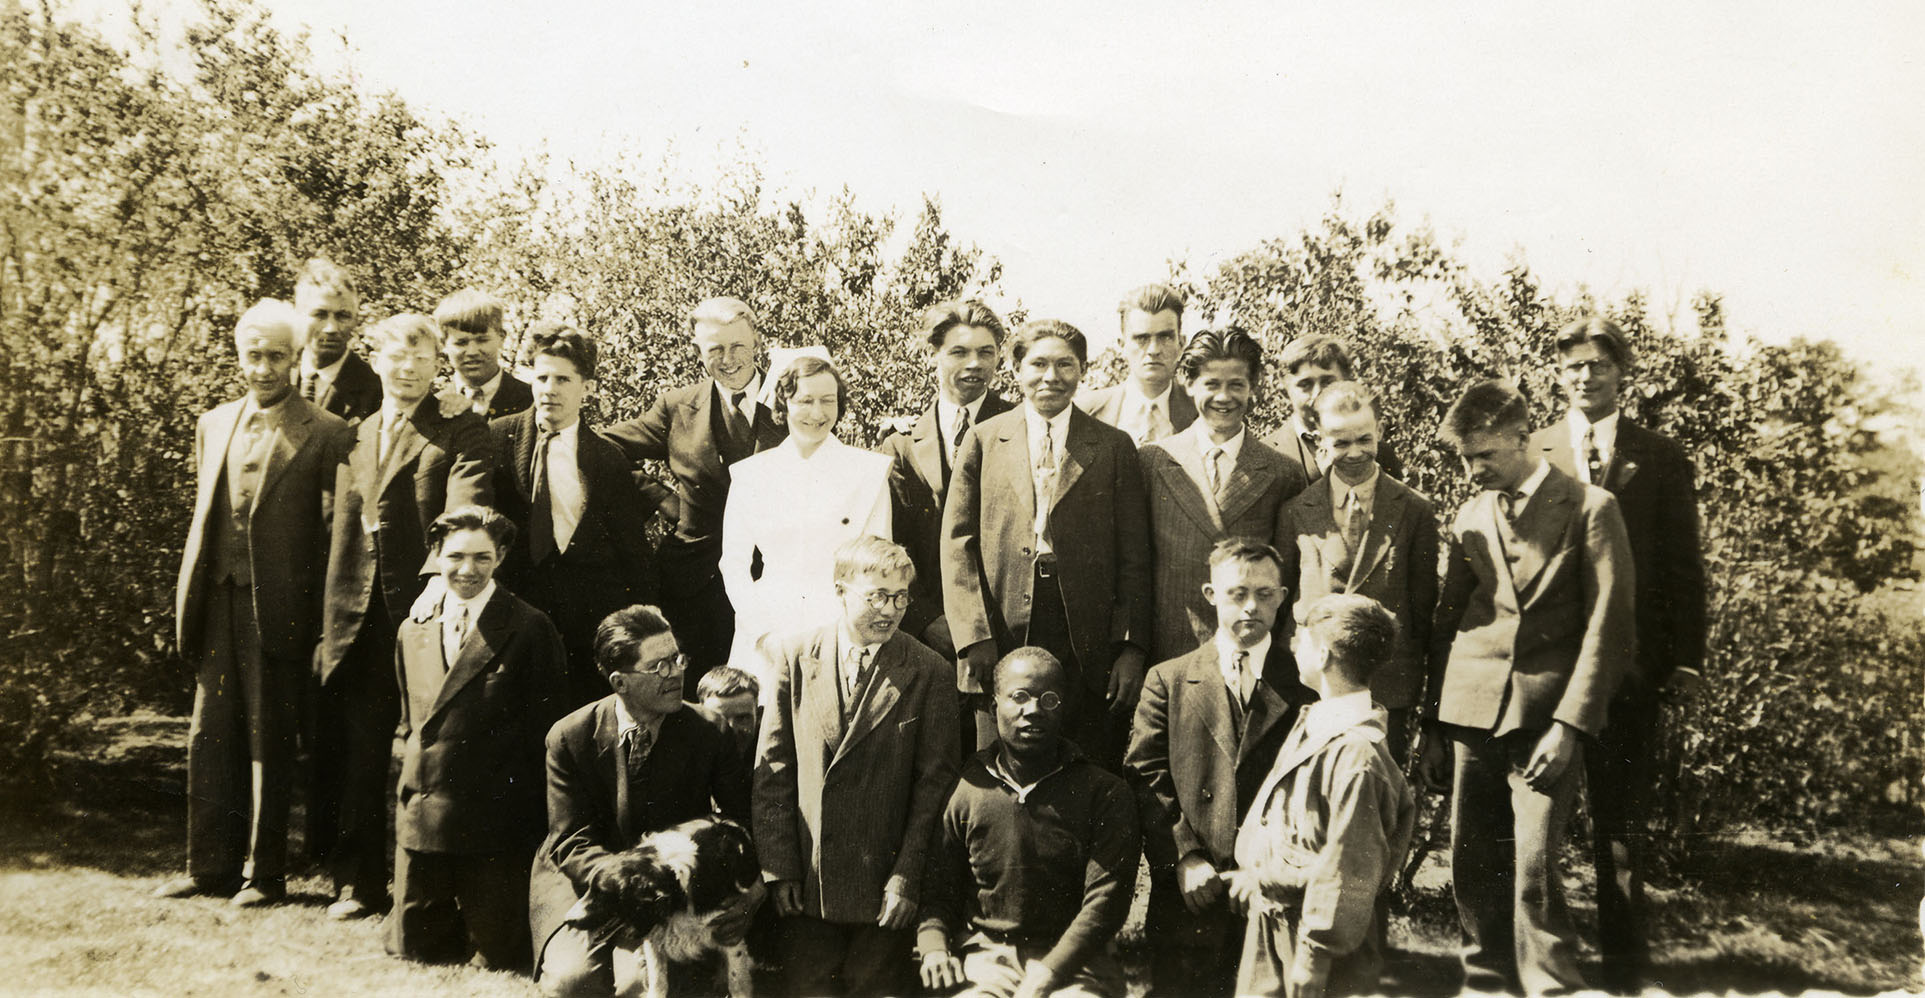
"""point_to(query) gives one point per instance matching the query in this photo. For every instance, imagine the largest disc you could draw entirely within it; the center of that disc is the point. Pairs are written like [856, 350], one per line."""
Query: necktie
[311, 385]
[455, 630]
[1152, 423]
[1213, 463]
[1508, 503]
[1354, 524]
[541, 519]
[738, 423]
[1240, 666]
[852, 676]
[1310, 465]
[1593, 461]
[962, 428]
[389, 434]
[1045, 474]
[636, 742]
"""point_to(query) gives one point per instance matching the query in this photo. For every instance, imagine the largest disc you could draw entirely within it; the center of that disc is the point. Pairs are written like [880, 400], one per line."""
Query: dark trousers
[1191, 954]
[447, 905]
[1089, 723]
[1619, 780]
[240, 748]
[828, 958]
[1504, 841]
[704, 623]
[355, 715]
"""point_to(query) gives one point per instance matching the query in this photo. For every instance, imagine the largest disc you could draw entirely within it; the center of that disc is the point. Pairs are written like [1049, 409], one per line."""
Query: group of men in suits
[338, 499]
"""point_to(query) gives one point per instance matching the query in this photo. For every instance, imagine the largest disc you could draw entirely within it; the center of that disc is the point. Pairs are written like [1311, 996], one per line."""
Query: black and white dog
[661, 893]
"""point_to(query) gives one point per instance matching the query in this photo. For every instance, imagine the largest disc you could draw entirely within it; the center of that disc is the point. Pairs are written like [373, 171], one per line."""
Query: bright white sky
[1772, 151]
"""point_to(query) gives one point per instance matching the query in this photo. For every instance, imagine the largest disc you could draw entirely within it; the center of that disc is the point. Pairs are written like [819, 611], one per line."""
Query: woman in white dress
[791, 506]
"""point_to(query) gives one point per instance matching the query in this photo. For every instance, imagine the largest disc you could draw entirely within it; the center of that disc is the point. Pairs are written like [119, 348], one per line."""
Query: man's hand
[728, 926]
[1556, 751]
[898, 912]
[941, 971]
[981, 657]
[787, 895]
[1246, 893]
[424, 604]
[1199, 883]
[1038, 980]
[1433, 759]
[1126, 678]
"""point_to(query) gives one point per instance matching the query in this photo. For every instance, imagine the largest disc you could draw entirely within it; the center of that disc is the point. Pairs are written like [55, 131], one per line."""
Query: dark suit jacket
[918, 484]
[692, 771]
[1543, 635]
[1194, 778]
[1185, 526]
[1106, 404]
[682, 428]
[356, 391]
[608, 564]
[1398, 569]
[1284, 440]
[1099, 528]
[287, 525]
[473, 728]
[512, 397]
[382, 511]
[847, 810]
[1656, 489]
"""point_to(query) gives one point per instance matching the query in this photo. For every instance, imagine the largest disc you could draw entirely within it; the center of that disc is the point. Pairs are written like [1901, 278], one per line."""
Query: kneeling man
[1038, 854]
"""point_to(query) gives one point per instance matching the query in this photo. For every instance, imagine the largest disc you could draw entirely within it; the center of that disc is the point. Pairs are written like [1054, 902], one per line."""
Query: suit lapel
[409, 442]
[700, 409]
[522, 433]
[877, 697]
[1493, 519]
[926, 452]
[608, 765]
[1079, 450]
[1544, 521]
[1177, 481]
[214, 458]
[1386, 510]
[1268, 708]
[1203, 681]
[1624, 456]
[478, 650]
[819, 693]
[1009, 461]
[288, 440]
[1182, 410]
[1320, 522]
[1248, 480]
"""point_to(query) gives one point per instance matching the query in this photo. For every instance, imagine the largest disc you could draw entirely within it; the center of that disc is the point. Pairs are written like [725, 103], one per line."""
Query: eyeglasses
[882, 599]
[1023, 698]
[662, 666]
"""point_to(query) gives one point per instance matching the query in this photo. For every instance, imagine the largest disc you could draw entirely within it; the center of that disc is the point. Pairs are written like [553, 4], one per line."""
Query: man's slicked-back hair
[408, 328]
[472, 311]
[320, 272]
[1486, 407]
[872, 555]
[272, 315]
[1246, 550]
[723, 311]
[1602, 332]
[940, 318]
[499, 528]
[618, 640]
[724, 681]
[1029, 332]
[1033, 654]
[548, 338]
[1151, 298]
[1225, 344]
[1341, 398]
[1359, 632]
[1319, 350]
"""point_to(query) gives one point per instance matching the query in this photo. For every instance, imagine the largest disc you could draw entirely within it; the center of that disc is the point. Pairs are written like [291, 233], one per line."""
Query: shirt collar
[1058, 424]
[1604, 431]
[328, 373]
[1536, 478]
[566, 434]
[1227, 648]
[488, 387]
[992, 759]
[946, 412]
[750, 392]
[452, 604]
[625, 722]
[1134, 393]
[1232, 448]
[1340, 490]
[846, 643]
[1328, 717]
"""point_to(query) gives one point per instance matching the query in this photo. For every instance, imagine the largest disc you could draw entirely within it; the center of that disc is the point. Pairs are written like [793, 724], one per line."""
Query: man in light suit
[248, 609]
[1655, 486]
[634, 762]
[413, 459]
[1046, 542]
[1147, 405]
[582, 552]
[1312, 363]
[481, 680]
[471, 338]
[1211, 481]
[1359, 530]
[331, 375]
[700, 430]
[1207, 730]
[1534, 632]
[856, 759]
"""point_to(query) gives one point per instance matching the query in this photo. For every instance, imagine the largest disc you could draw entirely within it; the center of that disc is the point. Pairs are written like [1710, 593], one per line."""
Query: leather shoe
[187, 887]
[259, 895]
[348, 909]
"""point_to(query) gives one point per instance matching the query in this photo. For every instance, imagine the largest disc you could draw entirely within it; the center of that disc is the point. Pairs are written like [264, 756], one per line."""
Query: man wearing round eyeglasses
[1036, 857]
[858, 753]
[634, 762]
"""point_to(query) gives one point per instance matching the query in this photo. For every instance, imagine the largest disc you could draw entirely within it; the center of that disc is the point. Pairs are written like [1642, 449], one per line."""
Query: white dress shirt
[1528, 487]
[1145, 419]
[484, 396]
[1240, 682]
[458, 617]
[1348, 500]
[751, 392]
[1604, 433]
[1226, 464]
[1043, 476]
[946, 415]
[565, 493]
[326, 375]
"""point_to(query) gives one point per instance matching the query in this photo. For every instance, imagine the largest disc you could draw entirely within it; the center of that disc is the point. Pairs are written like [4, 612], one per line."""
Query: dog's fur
[662, 892]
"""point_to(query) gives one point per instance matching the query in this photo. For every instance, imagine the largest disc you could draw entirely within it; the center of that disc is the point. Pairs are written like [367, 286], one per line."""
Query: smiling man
[471, 339]
[247, 608]
[1147, 405]
[1046, 542]
[858, 753]
[1312, 363]
[1211, 481]
[700, 430]
[1534, 633]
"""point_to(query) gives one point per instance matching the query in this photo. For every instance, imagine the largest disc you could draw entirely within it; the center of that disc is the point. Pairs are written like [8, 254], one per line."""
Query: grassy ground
[77, 861]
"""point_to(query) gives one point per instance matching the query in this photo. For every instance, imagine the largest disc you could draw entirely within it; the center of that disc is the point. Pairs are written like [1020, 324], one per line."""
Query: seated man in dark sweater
[1036, 856]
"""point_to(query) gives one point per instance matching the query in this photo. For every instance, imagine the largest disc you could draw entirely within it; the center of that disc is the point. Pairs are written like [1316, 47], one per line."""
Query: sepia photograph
[1113, 500]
